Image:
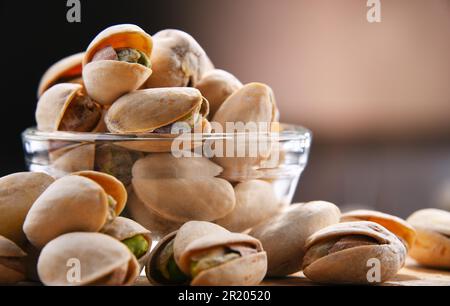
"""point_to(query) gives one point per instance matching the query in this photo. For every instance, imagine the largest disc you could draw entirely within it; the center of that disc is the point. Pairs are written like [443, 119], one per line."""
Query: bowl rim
[289, 132]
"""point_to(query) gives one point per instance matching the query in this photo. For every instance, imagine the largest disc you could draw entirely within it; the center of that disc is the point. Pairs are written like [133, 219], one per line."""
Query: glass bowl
[236, 191]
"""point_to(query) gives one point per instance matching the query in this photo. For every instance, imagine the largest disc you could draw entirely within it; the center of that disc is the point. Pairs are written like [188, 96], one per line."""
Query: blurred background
[375, 95]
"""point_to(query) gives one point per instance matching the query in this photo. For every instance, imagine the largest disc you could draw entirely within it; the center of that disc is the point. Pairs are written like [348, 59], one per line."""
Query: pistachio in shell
[18, 191]
[216, 86]
[207, 255]
[255, 202]
[145, 111]
[72, 158]
[66, 107]
[83, 202]
[404, 231]
[148, 218]
[66, 70]
[432, 246]
[253, 104]
[137, 238]
[12, 267]
[101, 260]
[177, 59]
[117, 62]
[283, 236]
[342, 253]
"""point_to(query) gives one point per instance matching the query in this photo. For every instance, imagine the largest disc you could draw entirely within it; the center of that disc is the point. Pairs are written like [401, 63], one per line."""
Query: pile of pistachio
[68, 231]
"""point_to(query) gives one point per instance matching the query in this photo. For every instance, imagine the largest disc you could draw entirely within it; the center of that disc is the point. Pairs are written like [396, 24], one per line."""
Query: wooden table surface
[411, 275]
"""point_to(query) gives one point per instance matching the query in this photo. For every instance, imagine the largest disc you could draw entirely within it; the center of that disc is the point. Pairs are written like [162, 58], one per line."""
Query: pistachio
[341, 253]
[207, 254]
[66, 107]
[72, 158]
[178, 60]
[404, 231]
[76, 202]
[117, 62]
[216, 86]
[67, 70]
[283, 236]
[432, 246]
[12, 268]
[137, 238]
[18, 192]
[104, 261]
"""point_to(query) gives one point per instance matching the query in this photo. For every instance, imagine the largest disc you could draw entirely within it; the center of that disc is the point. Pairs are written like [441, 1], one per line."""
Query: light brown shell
[18, 192]
[352, 265]
[254, 103]
[54, 103]
[99, 256]
[123, 228]
[110, 185]
[158, 225]
[67, 68]
[432, 246]
[283, 236]
[72, 158]
[177, 60]
[12, 269]
[216, 86]
[396, 225]
[143, 111]
[107, 80]
[151, 269]
[255, 202]
[72, 203]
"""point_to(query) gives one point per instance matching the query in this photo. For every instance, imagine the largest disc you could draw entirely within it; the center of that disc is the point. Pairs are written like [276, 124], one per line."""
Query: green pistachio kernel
[131, 55]
[168, 267]
[209, 262]
[138, 245]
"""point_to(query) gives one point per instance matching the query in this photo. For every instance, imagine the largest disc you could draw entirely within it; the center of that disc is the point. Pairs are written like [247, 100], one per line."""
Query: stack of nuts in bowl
[92, 219]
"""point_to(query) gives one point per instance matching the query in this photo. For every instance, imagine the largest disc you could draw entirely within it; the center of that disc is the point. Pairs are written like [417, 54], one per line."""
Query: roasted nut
[283, 236]
[117, 62]
[85, 201]
[102, 260]
[177, 59]
[216, 86]
[341, 253]
[253, 104]
[207, 254]
[72, 158]
[18, 192]
[404, 231]
[67, 70]
[255, 202]
[183, 193]
[12, 267]
[66, 107]
[136, 237]
[432, 246]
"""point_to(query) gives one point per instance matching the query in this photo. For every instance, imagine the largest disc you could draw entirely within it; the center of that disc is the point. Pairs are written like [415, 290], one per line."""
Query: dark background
[377, 97]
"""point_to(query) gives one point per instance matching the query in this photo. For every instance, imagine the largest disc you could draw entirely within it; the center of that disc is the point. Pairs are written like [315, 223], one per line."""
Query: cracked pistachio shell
[65, 70]
[432, 246]
[123, 228]
[283, 236]
[12, 268]
[148, 218]
[151, 267]
[18, 192]
[165, 165]
[54, 104]
[107, 80]
[396, 225]
[73, 203]
[255, 202]
[177, 60]
[253, 104]
[216, 86]
[351, 265]
[195, 237]
[72, 158]
[143, 111]
[103, 261]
